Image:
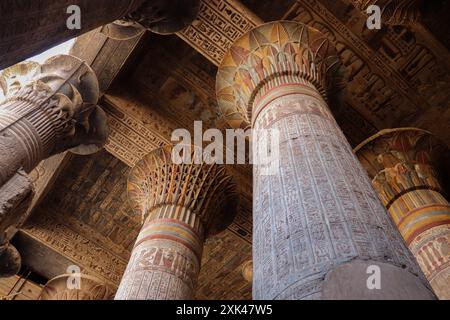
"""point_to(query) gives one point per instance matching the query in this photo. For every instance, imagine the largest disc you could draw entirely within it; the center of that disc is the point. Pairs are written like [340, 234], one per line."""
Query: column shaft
[165, 261]
[76, 286]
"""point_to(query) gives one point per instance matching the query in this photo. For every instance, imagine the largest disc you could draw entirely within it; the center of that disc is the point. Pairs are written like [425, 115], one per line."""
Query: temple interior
[364, 172]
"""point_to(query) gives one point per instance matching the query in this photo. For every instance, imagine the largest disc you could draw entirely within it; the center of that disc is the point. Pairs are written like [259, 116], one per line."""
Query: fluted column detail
[404, 167]
[44, 110]
[317, 223]
[181, 205]
[396, 12]
[76, 287]
[30, 27]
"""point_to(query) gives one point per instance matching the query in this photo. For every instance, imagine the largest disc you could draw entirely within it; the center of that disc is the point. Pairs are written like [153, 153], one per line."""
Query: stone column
[396, 12]
[44, 110]
[76, 287]
[318, 226]
[31, 27]
[403, 165]
[181, 205]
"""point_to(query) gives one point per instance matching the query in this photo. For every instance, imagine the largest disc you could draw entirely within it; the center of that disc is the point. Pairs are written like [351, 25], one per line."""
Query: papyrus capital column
[44, 109]
[76, 287]
[397, 12]
[181, 205]
[317, 223]
[404, 167]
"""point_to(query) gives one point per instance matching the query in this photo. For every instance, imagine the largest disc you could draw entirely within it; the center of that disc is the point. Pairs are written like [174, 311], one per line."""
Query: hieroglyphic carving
[221, 274]
[43, 178]
[218, 25]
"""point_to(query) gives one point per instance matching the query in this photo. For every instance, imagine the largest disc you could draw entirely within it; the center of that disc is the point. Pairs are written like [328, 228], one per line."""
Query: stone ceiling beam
[219, 23]
[85, 287]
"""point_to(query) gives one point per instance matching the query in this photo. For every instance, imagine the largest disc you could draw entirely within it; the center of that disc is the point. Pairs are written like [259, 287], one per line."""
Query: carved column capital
[404, 166]
[203, 192]
[272, 54]
[398, 160]
[64, 287]
[396, 12]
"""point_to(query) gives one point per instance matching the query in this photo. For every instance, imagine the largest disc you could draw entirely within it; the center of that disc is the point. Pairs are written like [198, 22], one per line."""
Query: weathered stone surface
[395, 283]
[318, 210]
[165, 16]
[53, 111]
[46, 110]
